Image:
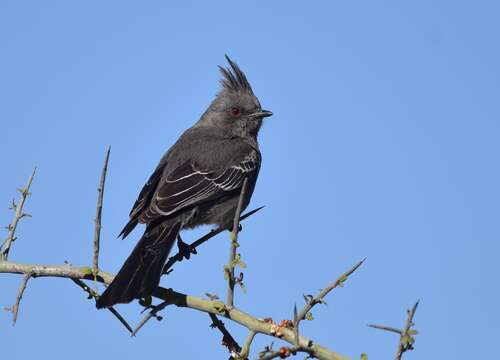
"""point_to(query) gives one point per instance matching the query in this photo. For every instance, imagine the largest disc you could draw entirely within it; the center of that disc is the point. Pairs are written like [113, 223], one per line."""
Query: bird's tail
[140, 274]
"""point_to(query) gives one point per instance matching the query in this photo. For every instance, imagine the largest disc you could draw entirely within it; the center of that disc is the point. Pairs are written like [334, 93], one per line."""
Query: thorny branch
[11, 237]
[406, 335]
[318, 299]
[15, 308]
[98, 216]
[229, 270]
[293, 326]
[227, 339]
[97, 238]
[18, 215]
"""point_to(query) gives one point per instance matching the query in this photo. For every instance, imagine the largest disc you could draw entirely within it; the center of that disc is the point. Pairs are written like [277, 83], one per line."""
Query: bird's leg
[185, 250]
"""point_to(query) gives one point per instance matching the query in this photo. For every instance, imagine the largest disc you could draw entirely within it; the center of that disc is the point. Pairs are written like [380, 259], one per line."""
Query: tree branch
[18, 215]
[97, 230]
[245, 351]
[173, 298]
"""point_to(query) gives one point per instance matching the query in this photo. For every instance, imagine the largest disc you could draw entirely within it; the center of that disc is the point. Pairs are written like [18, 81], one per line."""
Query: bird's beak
[261, 114]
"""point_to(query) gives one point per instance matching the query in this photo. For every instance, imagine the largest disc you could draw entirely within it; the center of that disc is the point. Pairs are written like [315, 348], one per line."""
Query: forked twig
[406, 335]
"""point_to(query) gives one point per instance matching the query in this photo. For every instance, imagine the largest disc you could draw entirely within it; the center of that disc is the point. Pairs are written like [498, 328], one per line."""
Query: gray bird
[198, 181]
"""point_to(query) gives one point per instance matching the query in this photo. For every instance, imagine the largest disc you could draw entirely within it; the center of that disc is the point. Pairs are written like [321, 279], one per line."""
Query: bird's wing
[188, 186]
[144, 198]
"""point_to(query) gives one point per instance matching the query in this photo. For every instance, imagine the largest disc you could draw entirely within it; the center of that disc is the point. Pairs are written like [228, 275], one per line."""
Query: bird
[198, 181]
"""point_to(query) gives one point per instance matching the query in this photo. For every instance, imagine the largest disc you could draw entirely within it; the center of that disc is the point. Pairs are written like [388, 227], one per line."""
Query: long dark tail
[140, 274]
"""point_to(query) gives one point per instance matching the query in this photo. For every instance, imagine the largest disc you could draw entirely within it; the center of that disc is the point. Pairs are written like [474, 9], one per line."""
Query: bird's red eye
[235, 111]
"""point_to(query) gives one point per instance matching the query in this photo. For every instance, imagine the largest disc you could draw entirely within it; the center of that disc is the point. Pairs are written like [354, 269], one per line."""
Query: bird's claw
[185, 250]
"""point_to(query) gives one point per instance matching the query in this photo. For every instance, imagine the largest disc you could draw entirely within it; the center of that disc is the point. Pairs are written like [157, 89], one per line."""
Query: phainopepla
[198, 181]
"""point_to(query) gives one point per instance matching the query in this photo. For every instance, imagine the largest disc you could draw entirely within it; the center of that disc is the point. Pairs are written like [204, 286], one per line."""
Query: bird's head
[235, 109]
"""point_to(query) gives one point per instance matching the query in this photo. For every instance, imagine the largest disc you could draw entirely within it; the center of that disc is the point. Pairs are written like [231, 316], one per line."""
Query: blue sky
[384, 144]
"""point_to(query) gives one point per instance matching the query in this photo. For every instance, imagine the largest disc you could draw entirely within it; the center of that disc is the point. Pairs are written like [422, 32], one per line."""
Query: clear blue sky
[384, 144]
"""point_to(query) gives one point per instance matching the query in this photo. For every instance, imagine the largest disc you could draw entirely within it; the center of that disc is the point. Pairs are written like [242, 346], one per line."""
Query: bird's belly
[219, 213]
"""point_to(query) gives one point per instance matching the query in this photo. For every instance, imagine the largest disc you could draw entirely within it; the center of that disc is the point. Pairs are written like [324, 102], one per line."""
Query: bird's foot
[185, 250]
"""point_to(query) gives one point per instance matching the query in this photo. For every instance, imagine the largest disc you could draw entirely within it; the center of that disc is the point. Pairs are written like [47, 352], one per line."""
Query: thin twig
[18, 215]
[234, 245]
[386, 328]
[95, 295]
[180, 255]
[15, 308]
[245, 351]
[227, 339]
[406, 335]
[153, 313]
[98, 216]
[318, 299]
[120, 318]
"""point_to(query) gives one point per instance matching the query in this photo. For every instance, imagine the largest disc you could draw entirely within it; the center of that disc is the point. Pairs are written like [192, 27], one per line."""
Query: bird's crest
[233, 79]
